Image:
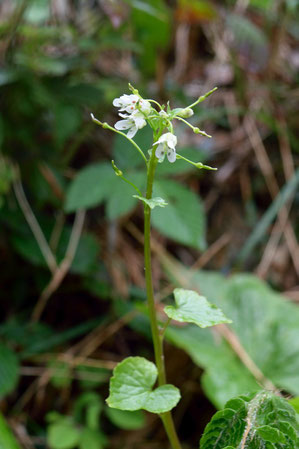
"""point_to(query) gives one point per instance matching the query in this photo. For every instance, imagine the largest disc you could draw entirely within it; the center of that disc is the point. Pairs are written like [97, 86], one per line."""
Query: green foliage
[90, 187]
[125, 419]
[63, 435]
[256, 421]
[183, 219]
[7, 440]
[9, 370]
[96, 184]
[131, 388]
[260, 317]
[82, 430]
[192, 308]
[151, 23]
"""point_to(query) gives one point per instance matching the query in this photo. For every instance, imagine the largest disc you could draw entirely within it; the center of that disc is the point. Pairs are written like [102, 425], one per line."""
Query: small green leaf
[192, 308]
[152, 203]
[92, 439]
[131, 388]
[125, 419]
[63, 435]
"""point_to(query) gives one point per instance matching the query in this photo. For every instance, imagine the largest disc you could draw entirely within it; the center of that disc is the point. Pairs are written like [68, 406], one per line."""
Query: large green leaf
[9, 370]
[90, 187]
[96, 184]
[121, 198]
[131, 388]
[183, 219]
[258, 421]
[266, 325]
[192, 308]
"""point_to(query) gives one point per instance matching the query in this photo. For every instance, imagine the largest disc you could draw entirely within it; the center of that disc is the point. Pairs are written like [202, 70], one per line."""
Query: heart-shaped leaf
[131, 388]
[192, 308]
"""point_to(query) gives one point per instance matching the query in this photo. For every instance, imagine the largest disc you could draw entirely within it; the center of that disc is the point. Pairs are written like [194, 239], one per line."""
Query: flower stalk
[136, 112]
[156, 335]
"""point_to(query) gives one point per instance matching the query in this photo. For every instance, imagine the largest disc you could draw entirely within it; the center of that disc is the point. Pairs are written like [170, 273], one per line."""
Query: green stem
[157, 338]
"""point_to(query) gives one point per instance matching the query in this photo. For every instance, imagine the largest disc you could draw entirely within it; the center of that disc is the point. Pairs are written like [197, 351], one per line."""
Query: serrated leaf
[131, 388]
[9, 370]
[153, 202]
[259, 421]
[183, 220]
[193, 308]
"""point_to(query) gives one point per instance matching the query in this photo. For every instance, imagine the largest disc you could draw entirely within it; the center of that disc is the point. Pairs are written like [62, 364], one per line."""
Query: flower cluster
[136, 110]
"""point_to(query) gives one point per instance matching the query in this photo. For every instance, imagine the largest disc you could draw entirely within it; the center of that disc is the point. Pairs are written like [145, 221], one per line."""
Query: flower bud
[185, 113]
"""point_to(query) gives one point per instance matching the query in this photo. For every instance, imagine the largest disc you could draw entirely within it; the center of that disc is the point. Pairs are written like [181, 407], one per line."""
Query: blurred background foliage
[72, 265]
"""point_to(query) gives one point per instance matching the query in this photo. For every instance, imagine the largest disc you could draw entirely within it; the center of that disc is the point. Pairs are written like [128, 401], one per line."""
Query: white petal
[145, 106]
[123, 115]
[123, 124]
[132, 131]
[117, 102]
[160, 153]
[171, 140]
[171, 155]
[130, 109]
[140, 122]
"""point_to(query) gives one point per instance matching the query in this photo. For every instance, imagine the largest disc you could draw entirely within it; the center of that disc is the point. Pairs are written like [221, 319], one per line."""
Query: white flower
[132, 122]
[128, 103]
[166, 145]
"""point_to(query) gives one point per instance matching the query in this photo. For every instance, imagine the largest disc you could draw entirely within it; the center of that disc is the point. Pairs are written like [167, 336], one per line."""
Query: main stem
[157, 338]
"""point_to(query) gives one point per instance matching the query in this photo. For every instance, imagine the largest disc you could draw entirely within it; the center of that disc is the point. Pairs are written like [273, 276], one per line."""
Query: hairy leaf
[131, 388]
[262, 420]
[192, 308]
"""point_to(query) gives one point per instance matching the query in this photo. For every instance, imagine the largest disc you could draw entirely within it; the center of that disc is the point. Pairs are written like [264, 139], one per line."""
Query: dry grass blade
[63, 267]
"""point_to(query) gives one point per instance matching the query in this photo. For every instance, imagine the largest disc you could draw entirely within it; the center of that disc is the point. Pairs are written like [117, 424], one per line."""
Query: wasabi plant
[133, 384]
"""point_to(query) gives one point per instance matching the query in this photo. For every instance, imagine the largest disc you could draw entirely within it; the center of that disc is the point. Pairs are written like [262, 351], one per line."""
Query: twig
[272, 245]
[33, 223]
[267, 170]
[235, 344]
[63, 267]
[279, 227]
[89, 345]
